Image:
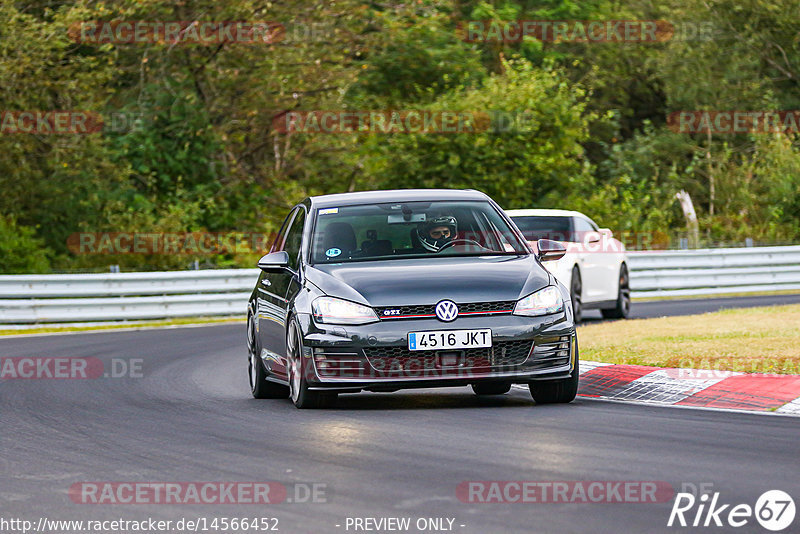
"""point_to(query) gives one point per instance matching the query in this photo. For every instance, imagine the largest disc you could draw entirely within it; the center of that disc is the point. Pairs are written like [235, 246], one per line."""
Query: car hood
[407, 282]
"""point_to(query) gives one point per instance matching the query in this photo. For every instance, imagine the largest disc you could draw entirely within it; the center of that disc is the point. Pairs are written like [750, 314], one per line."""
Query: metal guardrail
[713, 271]
[56, 298]
[130, 296]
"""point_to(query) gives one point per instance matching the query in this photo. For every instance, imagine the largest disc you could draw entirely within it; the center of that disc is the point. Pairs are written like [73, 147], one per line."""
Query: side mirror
[550, 250]
[274, 261]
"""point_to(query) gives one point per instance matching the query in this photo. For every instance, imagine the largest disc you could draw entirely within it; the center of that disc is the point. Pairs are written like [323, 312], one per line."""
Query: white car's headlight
[542, 302]
[330, 310]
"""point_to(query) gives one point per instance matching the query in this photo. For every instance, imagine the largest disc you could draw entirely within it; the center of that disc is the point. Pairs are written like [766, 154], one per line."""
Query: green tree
[537, 155]
[20, 250]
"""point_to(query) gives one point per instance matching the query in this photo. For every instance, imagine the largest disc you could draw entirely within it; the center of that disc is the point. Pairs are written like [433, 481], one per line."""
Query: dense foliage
[193, 144]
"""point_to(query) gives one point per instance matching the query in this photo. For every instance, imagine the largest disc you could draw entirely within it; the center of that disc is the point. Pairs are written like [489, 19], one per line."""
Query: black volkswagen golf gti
[387, 290]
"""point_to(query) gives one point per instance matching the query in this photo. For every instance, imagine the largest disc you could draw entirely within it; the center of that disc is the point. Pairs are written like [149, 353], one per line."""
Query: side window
[294, 239]
[280, 239]
[582, 228]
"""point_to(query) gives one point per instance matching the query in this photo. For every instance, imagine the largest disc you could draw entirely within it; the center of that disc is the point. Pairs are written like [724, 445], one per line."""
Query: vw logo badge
[446, 311]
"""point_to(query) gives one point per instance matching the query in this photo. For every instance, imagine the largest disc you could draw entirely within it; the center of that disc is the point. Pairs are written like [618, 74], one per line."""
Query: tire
[260, 387]
[491, 388]
[561, 391]
[300, 395]
[576, 290]
[623, 307]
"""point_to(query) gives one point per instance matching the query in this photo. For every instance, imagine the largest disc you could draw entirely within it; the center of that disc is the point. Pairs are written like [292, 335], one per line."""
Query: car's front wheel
[491, 388]
[301, 396]
[623, 307]
[556, 391]
[260, 387]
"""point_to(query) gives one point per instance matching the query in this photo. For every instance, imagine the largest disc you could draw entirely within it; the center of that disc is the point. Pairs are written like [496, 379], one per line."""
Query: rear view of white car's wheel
[623, 307]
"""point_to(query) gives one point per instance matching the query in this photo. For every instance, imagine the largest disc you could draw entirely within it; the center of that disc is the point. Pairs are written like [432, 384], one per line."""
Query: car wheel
[623, 306]
[576, 294]
[260, 387]
[556, 391]
[301, 396]
[491, 388]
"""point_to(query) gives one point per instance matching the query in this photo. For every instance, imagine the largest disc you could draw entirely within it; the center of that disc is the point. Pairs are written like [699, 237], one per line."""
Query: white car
[594, 269]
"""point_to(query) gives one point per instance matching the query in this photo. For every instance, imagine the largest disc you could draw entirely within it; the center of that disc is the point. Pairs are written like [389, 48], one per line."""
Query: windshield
[411, 229]
[535, 227]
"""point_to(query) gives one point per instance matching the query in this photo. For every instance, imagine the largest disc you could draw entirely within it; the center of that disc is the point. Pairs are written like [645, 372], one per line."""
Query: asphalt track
[190, 417]
[660, 308]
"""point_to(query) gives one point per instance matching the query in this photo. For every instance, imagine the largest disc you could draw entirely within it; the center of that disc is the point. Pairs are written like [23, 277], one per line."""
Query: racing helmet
[434, 243]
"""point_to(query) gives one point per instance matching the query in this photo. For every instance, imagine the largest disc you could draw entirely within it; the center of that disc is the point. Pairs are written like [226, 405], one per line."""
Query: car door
[593, 275]
[273, 290]
[605, 261]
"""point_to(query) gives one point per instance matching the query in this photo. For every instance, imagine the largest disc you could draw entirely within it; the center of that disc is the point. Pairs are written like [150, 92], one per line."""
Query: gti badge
[446, 310]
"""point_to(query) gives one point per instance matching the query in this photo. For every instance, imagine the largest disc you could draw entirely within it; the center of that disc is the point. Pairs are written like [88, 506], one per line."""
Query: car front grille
[398, 362]
[393, 360]
[429, 310]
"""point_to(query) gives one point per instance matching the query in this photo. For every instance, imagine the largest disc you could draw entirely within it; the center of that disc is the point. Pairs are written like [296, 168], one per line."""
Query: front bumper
[375, 357]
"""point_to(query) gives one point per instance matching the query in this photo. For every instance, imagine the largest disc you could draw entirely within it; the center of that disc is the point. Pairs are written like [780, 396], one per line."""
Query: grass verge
[750, 340]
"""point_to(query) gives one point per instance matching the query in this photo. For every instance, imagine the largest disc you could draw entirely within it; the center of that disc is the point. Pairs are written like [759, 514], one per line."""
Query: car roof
[544, 213]
[394, 195]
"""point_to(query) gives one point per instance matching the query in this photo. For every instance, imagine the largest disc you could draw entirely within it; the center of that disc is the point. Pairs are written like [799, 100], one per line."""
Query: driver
[437, 232]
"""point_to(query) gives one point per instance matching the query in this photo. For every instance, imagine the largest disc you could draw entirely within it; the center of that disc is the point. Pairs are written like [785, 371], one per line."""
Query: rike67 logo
[774, 510]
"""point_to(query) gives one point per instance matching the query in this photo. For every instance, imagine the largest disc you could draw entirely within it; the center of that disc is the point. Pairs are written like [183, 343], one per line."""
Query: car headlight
[542, 302]
[330, 310]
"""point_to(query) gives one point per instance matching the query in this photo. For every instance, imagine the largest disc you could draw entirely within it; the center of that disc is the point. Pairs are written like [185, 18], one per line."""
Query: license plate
[450, 339]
